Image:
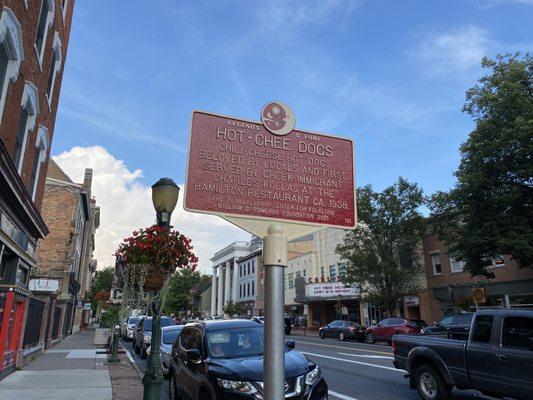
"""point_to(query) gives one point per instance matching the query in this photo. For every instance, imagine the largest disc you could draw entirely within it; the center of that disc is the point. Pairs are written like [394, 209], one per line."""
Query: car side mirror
[291, 344]
[194, 356]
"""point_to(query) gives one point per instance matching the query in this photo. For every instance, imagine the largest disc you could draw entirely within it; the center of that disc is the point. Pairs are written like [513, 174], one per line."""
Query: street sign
[87, 306]
[240, 169]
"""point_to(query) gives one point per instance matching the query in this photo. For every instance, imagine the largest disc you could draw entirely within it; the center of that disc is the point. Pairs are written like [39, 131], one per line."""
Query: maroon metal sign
[239, 168]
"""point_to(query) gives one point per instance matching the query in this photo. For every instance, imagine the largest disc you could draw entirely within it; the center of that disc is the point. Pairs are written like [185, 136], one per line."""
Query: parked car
[456, 326]
[169, 335]
[496, 359]
[384, 330]
[288, 326]
[258, 319]
[343, 330]
[224, 360]
[143, 334]
[127, 327]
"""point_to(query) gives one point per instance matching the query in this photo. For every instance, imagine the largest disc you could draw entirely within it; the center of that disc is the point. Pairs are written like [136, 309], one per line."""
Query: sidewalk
[71, 370]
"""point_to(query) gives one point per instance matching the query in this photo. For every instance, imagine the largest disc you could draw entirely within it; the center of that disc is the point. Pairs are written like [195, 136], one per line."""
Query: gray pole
[275, 261]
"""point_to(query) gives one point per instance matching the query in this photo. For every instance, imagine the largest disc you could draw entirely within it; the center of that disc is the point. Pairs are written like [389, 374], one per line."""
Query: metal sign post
[275, 261]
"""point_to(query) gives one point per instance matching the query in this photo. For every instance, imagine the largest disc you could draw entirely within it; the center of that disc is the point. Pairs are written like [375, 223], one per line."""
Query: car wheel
[341, 337]
[322, 336]
[370, 339]
[143, 352]
[430, 384]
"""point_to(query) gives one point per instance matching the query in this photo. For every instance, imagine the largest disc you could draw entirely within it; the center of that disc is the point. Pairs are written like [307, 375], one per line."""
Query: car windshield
[132, 321]
[170, 335]
[236, 343]
[165, 321]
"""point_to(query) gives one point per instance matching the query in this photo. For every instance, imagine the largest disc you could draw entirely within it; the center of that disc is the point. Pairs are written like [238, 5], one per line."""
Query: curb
[134, 363]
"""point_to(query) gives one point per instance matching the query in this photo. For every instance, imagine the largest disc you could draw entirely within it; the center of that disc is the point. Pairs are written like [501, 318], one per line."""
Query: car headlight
[147, 339]
[313, 376]
[237, 386]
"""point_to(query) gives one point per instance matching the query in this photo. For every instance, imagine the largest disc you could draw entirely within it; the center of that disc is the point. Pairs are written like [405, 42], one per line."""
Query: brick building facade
[33, 45]
[66, 254]
[450, 289]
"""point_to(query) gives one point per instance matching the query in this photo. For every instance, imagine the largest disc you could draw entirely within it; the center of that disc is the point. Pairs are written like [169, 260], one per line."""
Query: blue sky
[391, 75]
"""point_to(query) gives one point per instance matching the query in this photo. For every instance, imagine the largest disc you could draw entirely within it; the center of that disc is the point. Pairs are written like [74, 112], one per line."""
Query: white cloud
[126, 205]
[284, 19]
[457, 51]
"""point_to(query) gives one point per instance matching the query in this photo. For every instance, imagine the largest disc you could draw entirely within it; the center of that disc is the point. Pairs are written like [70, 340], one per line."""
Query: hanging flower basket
[152, 254]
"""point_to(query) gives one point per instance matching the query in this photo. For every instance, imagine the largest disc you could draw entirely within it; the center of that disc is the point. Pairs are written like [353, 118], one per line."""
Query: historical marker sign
[243, 168]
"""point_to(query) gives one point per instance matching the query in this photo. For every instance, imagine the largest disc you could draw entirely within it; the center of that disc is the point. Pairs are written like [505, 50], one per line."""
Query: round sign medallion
[278, 118]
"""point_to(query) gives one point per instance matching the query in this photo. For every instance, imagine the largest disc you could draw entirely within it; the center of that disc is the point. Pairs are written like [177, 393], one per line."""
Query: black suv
[456, 326]
[142, 334]
[224, 360]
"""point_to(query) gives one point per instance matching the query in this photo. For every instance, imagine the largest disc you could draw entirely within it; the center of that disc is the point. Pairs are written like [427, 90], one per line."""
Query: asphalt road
[353, 371]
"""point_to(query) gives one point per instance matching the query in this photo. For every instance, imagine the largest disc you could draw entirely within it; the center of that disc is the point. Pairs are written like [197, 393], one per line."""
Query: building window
[342, 270]
[11, 52]
[22, 275]
[321, 272]
[435, 259]
[298, 274]
[41, 148]
[64, 5]
[248, 289]
[332, 272]
[456, 265]
[55, 66]
[253, 267]
[28, 114]
[248, 268]
[240, 271]
[291, 281]
[240, 290]
[46, 19]
[304, 272]
[253, 288]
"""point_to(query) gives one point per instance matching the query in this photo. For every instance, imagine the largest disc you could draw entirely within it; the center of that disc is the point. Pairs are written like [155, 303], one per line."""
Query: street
[353, 371]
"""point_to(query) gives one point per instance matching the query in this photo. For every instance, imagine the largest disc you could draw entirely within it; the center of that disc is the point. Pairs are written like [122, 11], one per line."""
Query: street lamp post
[165, 195]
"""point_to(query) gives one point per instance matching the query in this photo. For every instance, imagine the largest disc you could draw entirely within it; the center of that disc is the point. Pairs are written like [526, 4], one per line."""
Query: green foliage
[382, 250]
[489, 211]
[109, 318]
[102, 282]
[180, 291]
[232, 308]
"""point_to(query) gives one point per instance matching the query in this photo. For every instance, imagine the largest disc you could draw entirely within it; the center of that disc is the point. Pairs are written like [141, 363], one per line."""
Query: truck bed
[450, 351]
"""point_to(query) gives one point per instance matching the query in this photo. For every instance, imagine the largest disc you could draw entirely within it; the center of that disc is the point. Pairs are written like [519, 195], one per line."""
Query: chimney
[87, 179]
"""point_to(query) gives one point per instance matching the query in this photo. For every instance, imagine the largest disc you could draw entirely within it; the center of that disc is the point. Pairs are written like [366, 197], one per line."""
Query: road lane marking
[353, 362]
[340, 395]
[345, 348]
[366, 356]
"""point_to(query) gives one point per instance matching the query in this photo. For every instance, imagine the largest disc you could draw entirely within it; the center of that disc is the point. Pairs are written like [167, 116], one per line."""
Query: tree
[100, 285]
[489, 211]
[179, 294]
[382, 250]
[232, 308]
